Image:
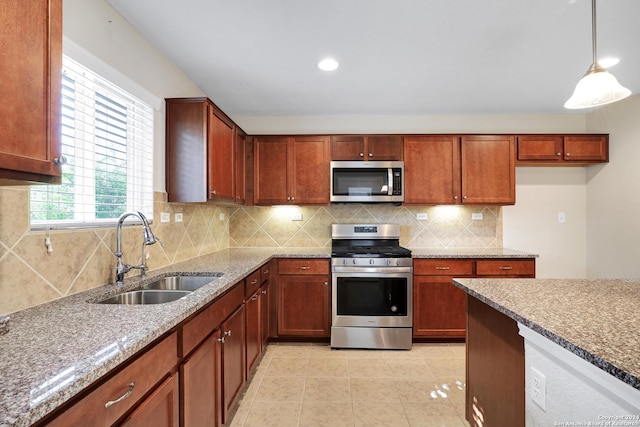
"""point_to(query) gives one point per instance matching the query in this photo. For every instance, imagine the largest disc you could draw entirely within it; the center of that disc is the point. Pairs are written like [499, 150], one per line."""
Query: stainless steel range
[371, 287]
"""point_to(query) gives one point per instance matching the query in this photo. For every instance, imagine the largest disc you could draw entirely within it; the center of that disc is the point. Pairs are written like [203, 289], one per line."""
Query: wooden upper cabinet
[31, 70]
[366, 147]
[562, 150]
[221, 158]
[432, 169]
[293, 170]
[488, 169]
[240, 155]
[202, 153]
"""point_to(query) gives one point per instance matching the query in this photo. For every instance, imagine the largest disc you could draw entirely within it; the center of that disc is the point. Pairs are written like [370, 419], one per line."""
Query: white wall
[532, 223]
[613, 194]
[97, 28]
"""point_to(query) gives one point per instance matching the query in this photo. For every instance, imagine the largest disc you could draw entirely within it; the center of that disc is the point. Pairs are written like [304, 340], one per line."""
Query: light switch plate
[221, 216]
[165, 217]
[422, 216]
[178, 217]
[477, 216]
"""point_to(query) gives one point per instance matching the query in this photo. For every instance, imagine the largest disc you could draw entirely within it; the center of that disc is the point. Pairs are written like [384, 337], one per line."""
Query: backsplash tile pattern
[83, 259]
[445, 226]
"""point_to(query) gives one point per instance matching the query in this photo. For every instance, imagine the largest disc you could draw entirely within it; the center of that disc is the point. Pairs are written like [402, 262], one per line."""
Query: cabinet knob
[221, 340]
[264, 292]
[227, 333]
[455, 197]
[361, 154]
[293, 198]
[558, 154]
[370, 154]
[464, 197]
[568, 154]
[237, 197]
[213, 192]
[62, 160]
[326, 283]
[255, 297]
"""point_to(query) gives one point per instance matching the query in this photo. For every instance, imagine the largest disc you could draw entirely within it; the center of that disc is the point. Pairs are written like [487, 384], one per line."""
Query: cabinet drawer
[506, 267]
[252, 283]
[443, 267]
[303, 266]
[198, 328]
[133, 381]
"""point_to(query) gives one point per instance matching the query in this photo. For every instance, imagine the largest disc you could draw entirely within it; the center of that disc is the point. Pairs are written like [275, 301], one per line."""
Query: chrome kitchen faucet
[149, 239]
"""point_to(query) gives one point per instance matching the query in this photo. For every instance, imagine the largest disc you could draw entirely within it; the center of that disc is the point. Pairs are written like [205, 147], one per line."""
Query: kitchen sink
[180, 283]
[145, 297]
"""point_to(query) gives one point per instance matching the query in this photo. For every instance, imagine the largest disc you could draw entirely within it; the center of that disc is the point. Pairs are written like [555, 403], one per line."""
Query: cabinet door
[440, 308]
[540, 147]
[432, 169]
[309, 170]
[488, 170]
[304, 306]
[586, 148]
[31, 70]
[347, 147]
[253, 333]
[220, 156]
[240, 166]
[270, 170]
[233, 365]
[383, 147]
[161, 409]
[200, 379]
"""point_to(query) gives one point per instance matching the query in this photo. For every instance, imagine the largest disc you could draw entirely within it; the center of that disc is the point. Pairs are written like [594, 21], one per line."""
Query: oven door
[374, 299]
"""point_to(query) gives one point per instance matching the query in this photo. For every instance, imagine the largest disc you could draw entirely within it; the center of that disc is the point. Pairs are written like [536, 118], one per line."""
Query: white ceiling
[258, 57]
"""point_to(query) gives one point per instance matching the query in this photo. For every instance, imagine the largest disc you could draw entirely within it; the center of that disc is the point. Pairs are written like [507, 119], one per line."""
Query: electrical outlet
[561, 218]
[178, 217]
[296, 216]
[538, 388]
[422, 217]
[477, 216]
[165, 217]
[221, 216]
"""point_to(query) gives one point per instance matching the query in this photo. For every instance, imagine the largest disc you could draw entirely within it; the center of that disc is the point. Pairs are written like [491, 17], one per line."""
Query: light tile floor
[313, 385]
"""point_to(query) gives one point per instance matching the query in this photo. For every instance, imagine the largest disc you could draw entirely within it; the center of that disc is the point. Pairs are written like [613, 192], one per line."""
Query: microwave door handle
[390, 181]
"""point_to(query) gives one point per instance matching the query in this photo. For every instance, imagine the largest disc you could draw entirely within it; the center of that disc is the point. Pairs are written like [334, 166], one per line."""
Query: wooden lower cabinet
[161, 409]
[200, 383]
[253, 317]
[265, 294]
[304, 306]
[233, 360]
[495, 367]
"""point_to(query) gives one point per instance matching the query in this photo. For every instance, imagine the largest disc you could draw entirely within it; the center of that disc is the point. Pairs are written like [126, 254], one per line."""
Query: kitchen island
[580, 335]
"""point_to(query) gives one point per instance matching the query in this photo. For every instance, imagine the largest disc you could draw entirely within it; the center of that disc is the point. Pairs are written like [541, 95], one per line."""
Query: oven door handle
[381, 270]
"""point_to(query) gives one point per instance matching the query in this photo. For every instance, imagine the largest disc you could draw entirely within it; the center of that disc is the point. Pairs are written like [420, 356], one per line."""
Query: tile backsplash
[444, 226]
[84, 258]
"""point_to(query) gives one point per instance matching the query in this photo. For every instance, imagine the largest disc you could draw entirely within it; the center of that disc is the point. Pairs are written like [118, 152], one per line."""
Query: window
[107, 139]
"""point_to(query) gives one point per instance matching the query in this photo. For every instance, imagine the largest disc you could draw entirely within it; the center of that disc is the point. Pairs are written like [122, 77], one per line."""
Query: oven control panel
[371, 262]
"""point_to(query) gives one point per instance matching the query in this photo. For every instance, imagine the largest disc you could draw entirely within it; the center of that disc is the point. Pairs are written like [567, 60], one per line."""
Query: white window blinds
[107, 139]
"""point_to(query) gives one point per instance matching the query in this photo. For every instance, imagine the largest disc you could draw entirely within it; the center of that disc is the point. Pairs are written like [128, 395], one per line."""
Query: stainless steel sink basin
[145, 297]
[181, 283]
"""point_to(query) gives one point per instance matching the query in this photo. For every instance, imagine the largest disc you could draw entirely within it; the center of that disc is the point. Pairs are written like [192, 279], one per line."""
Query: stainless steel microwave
[367, 182]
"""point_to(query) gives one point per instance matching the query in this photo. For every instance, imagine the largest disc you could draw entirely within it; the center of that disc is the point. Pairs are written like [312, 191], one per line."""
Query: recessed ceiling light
[328, 64]
[608, 62]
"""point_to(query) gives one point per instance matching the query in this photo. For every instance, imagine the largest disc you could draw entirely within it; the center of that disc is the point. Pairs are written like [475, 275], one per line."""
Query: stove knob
[344, 261]
[354, 261]
[389, 261]
[372, 261]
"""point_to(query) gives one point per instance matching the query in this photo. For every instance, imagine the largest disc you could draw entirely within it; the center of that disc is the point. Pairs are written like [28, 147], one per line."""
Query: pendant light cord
[593, 32]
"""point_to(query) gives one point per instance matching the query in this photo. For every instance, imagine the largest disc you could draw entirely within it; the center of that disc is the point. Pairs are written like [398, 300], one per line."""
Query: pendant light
[597, 87]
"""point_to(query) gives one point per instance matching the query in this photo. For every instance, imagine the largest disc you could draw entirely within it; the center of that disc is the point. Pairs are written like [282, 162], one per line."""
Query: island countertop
[595, 319]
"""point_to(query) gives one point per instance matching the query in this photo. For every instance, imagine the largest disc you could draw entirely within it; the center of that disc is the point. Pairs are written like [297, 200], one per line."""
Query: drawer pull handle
[255, 297]
[221, 340]
[265, 272]
[254, 281]
[264, 292]
[304, 268]
[442, 268]
[228, 333]
[123, 397]
[506, 268]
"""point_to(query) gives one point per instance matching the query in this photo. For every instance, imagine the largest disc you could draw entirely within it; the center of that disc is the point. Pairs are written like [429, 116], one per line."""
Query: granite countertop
[470, 253]
[595, 319]
[53, 351]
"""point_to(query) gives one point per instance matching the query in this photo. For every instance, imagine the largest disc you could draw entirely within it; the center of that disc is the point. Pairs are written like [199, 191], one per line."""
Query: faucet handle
[160, 241]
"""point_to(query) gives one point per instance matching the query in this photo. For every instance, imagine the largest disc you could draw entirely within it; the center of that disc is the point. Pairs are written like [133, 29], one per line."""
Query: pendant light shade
[597, 87]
